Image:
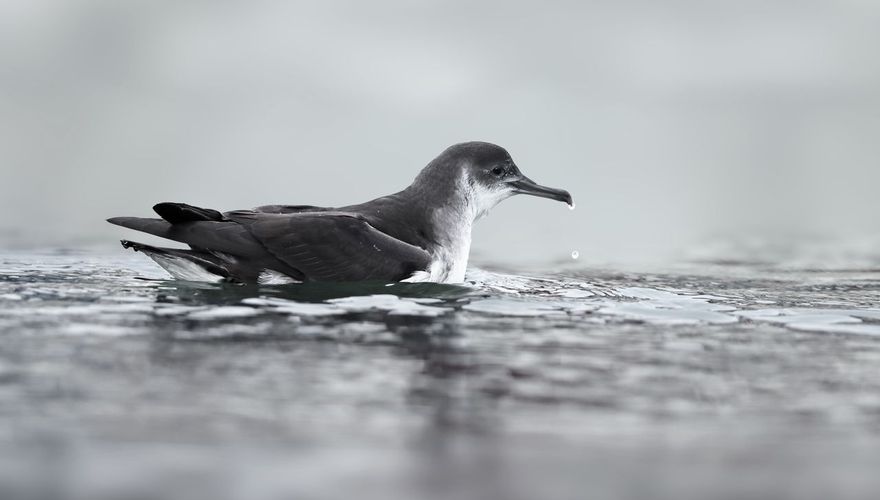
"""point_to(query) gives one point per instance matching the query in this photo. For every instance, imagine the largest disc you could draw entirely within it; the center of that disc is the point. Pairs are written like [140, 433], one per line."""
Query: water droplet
[571, 206]
[575, 254]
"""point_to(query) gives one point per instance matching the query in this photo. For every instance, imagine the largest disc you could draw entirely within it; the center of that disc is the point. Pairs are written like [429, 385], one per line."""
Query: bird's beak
[528, 186]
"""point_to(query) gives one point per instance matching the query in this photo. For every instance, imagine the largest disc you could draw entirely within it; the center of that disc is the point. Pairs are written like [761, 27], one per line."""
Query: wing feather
[333, 246]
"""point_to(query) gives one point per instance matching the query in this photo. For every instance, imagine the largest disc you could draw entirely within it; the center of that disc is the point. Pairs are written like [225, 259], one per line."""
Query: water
[716, 380]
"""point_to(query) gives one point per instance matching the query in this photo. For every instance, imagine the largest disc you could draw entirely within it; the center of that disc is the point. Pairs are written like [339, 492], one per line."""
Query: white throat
[453, 224]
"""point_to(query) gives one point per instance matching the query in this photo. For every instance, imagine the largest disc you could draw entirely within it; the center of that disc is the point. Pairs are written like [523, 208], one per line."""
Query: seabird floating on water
[422, 233]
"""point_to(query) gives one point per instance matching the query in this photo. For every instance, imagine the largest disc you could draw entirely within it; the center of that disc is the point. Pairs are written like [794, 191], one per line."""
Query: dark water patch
[228, 293]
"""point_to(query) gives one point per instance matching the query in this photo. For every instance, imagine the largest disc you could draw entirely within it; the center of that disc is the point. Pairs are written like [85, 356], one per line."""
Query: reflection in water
[226, 293]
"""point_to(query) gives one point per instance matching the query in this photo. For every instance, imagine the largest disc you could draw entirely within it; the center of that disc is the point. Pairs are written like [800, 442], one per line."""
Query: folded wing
[333, 246]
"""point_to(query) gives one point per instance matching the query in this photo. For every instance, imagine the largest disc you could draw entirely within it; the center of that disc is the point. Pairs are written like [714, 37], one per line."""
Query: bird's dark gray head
[481, 175]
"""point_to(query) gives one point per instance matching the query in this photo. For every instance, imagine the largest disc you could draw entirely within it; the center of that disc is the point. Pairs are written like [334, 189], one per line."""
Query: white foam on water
[534, 286]
[224, 312]
[99, 330]
[509, 283]
[513, 307]
[176, 310]
[392, 304]
[295, 308]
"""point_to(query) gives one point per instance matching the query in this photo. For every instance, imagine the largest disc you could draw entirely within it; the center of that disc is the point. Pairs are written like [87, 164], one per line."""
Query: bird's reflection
[199, 293]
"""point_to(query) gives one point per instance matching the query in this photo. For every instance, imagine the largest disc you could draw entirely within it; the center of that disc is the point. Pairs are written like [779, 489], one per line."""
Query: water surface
[715, 380]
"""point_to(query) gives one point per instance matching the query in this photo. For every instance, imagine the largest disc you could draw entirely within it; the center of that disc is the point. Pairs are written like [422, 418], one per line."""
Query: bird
[419, 234]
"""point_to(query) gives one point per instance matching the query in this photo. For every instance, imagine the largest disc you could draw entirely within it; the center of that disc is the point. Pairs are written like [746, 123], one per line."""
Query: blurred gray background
[673, 123]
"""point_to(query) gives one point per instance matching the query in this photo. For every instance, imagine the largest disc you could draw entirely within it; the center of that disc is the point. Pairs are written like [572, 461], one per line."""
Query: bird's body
[422, 233]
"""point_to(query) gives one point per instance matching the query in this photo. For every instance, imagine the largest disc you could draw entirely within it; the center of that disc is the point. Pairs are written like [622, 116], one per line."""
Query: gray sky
[672, 123]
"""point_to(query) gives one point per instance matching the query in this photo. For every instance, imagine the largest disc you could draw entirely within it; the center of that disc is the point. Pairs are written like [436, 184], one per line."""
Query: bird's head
[481, 175]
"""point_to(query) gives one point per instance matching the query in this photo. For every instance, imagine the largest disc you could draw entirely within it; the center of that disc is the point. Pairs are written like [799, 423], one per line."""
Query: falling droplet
[571, 206]
[575, 255]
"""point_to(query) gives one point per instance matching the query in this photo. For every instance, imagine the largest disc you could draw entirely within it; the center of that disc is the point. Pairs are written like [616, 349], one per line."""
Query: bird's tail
[190, 265]
[171, 213]
[157, 227]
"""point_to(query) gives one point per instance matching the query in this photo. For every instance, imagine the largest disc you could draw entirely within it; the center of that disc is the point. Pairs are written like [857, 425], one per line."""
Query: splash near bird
[422, 233]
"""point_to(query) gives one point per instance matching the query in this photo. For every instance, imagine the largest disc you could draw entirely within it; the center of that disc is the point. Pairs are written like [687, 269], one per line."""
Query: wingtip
[158, 207]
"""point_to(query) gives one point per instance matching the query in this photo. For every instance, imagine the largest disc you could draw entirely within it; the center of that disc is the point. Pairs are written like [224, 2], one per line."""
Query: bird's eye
[497, 170]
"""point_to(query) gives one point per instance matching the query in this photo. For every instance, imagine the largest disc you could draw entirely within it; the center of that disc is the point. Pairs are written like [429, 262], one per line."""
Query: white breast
[454, 223]
[449, 261]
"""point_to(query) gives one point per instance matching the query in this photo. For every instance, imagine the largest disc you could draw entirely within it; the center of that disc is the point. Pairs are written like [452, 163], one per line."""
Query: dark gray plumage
[421, 233]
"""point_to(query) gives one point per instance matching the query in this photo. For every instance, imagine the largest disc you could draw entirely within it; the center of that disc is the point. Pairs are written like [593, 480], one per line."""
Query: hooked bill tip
[571, 205]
